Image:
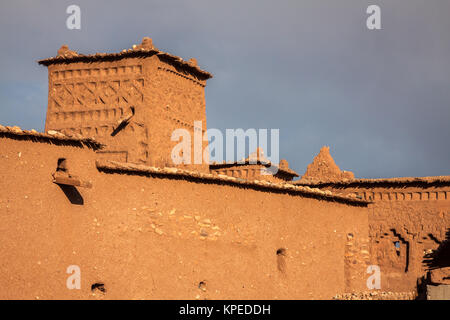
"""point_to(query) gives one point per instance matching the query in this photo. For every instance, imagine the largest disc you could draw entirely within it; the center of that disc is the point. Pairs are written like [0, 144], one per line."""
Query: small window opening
[62, 165]
[98, 287]
[281, 260]
[397, 248]
[202, 285]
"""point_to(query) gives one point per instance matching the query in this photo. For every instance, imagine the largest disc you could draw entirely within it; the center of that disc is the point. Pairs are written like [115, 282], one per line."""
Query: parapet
[138, 169]
[145, 49]
[251, 168]
[403, 181]
[51, 135]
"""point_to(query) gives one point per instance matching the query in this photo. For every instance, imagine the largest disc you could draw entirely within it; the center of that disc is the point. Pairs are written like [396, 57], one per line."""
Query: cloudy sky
[380, 99]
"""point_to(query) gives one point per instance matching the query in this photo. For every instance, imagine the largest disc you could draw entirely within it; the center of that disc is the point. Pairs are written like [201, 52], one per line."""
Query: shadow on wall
[397, 245]
[440, 258]
[72, 194]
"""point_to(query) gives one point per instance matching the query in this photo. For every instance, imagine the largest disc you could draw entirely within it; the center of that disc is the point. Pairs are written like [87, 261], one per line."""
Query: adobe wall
[256, 167]
[40, 229]
[156, 237]
[415, 216]
[323, 168]
[92, 98]
[250, 172]
[177, 99]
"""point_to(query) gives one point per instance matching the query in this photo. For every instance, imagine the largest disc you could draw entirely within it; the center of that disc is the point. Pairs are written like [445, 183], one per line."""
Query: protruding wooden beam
[71, 181]
[123, 121]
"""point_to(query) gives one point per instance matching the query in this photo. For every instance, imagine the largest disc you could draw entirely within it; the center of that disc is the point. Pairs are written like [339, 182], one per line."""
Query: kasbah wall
[160, 234]
[409, 222]
[99, 190]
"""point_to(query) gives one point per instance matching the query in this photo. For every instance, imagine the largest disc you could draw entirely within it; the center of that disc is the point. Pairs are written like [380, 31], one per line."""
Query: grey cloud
[380, 99]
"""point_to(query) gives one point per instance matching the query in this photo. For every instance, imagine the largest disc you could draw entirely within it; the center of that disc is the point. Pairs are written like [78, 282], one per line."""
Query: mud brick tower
[130, 101]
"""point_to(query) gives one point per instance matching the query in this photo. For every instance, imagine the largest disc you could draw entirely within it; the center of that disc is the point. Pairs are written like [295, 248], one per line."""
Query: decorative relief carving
[182, 76]
[90, 94]
[96, 72]
[404, 196]
[181, 102]
[108, 115]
